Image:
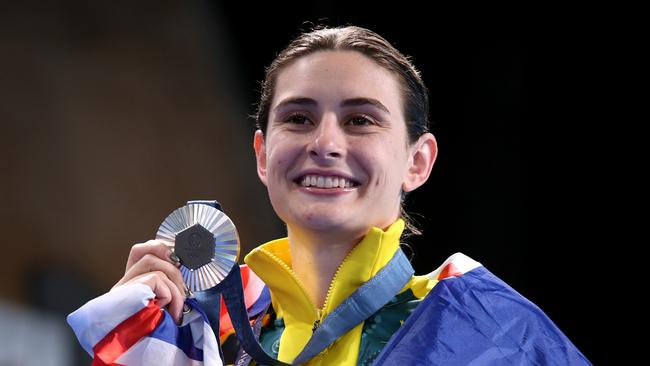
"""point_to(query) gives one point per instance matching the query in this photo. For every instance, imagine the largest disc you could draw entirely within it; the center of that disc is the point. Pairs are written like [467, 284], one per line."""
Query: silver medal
[205, 241]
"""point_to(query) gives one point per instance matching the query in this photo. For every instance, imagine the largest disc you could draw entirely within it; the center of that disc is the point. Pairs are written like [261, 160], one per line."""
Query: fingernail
[174, 258]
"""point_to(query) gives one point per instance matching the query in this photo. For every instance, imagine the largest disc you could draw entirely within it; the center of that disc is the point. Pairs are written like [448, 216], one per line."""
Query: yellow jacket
[272, 263]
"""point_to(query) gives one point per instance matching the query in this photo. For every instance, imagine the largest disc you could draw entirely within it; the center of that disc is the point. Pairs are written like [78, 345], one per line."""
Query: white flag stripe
[154, 352]
[462, 263]
[93, 321]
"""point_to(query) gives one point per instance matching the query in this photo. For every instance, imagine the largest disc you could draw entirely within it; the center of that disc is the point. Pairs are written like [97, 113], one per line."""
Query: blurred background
[113, 114]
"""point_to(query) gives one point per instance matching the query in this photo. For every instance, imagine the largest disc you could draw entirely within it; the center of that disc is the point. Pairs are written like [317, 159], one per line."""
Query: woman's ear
[260, 154]
[423, 156]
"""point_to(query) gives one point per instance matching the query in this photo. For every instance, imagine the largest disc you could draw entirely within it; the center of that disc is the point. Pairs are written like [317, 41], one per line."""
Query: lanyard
[356, 308]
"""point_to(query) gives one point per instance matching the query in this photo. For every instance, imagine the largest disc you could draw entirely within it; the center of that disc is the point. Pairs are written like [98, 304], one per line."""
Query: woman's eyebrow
[364, 101]
[352, 102]
[302, 101]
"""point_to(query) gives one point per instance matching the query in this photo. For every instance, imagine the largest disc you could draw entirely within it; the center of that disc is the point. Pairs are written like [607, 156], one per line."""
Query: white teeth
[320, 181]
[328, 182]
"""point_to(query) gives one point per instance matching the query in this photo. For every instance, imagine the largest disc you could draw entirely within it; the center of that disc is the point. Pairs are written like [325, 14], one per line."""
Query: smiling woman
[343, 135]
[337, 116]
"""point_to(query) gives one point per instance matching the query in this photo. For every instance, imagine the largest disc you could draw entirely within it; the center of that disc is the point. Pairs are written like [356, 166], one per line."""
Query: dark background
[112, 111]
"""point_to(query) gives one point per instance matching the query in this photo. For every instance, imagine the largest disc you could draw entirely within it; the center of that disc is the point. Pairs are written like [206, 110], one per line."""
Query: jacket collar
[272, 263]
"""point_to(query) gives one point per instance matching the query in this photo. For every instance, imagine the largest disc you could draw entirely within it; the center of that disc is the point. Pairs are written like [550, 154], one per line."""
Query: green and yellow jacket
[287, 331]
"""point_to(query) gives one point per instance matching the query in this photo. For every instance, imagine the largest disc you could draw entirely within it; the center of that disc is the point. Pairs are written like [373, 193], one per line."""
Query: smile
[322, 181]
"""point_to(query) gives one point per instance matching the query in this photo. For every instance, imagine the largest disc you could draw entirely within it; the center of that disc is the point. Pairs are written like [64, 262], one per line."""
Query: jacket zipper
[321, 312]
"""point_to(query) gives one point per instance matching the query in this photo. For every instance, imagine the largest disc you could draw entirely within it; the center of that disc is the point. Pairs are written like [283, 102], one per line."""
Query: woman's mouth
[326, 181]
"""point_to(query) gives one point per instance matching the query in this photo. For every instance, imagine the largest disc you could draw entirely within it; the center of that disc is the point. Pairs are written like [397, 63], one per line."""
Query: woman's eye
[360, 121]
[297, 118]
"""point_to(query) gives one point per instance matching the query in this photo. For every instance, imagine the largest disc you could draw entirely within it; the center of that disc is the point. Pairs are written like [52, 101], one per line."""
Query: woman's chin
[323, 221]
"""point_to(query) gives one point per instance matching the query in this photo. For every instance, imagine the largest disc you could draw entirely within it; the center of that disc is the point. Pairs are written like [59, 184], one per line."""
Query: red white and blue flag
[127, 327]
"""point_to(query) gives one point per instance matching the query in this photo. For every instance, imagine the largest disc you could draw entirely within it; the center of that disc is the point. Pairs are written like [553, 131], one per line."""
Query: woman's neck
[315, 259]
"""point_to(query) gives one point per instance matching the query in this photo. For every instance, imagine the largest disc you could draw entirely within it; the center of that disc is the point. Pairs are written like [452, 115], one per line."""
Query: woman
[342, 136]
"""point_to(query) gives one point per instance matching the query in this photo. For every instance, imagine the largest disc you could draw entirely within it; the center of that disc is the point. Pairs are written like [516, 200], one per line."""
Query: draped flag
[471, 317]
[127, 327]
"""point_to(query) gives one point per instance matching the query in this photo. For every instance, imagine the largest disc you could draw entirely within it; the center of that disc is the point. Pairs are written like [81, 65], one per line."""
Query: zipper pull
[319, 315]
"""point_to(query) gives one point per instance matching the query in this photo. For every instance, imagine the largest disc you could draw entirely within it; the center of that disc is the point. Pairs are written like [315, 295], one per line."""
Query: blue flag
[474, 318]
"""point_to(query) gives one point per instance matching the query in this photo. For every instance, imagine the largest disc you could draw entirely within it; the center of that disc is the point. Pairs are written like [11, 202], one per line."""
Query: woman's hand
[150, 263]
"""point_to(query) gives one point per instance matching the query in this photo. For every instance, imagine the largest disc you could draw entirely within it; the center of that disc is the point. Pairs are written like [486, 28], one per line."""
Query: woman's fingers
[166, 292]
[175, 307]
[150, 263]
[153, 247]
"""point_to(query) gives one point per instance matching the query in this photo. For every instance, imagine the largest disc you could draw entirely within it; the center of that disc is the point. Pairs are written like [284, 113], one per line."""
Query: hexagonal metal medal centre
[194, 246]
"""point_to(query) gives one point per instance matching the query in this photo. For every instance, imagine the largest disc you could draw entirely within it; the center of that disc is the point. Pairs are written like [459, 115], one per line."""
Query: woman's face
[335, 155]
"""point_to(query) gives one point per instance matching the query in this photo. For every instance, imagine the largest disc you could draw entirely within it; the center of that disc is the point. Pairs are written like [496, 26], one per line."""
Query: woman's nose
[328, 140]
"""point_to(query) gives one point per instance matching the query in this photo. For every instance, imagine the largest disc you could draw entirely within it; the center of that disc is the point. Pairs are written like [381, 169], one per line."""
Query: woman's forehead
[336, 76]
